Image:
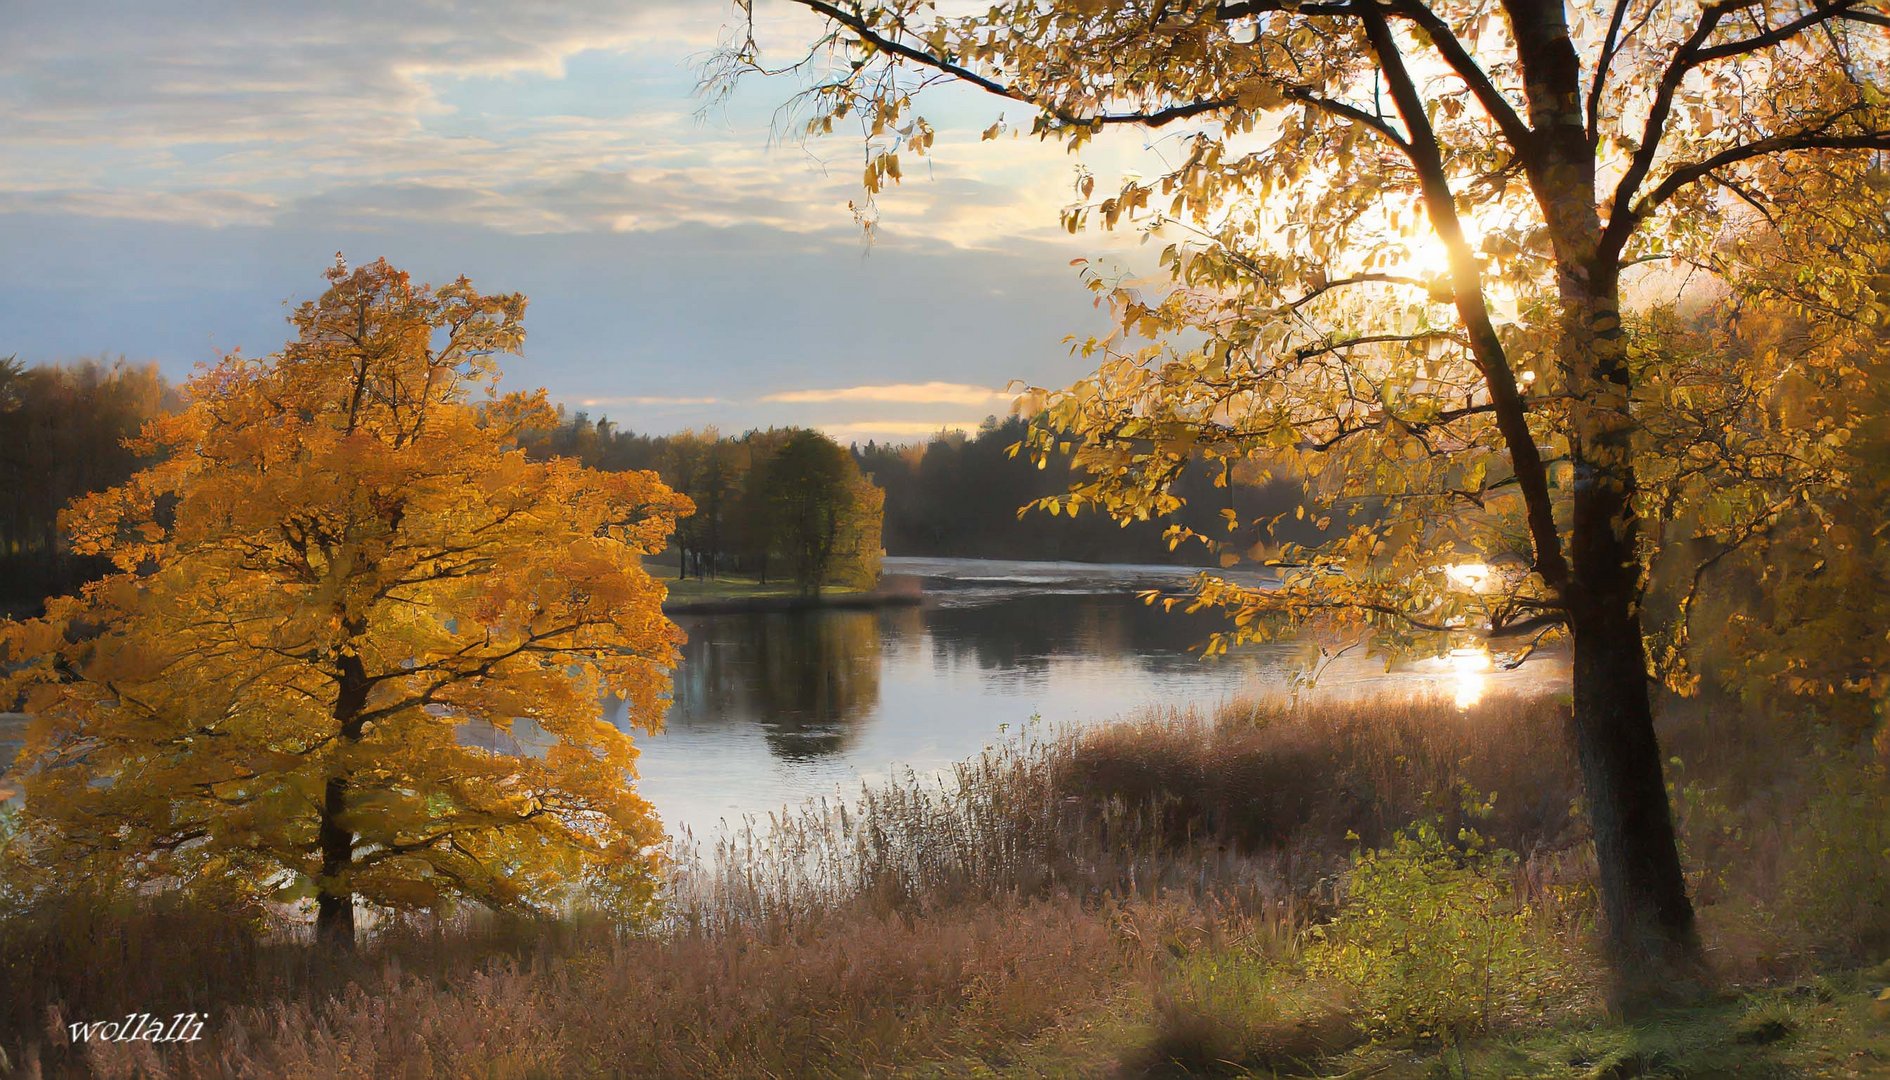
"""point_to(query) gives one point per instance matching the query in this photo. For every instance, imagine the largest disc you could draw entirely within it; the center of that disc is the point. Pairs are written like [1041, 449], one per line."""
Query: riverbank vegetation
[690, 590]
[1396, 888]
[781, 505]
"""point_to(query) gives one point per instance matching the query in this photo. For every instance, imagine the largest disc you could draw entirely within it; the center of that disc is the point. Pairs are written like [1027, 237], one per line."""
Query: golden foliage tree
[341, 563]
[1778, 403]
[1394, 240]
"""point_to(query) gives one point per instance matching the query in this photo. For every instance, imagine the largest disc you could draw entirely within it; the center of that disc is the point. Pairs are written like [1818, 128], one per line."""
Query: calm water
[773, 709]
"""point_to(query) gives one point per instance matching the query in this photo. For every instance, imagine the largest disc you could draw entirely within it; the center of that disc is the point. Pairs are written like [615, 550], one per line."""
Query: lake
[771, 709]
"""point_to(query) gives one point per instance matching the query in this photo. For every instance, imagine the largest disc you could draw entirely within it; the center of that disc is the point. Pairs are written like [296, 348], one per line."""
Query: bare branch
[1777, 144]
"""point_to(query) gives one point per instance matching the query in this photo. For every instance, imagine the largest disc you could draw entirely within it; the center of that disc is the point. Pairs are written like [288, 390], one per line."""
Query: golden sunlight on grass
[1135, 900]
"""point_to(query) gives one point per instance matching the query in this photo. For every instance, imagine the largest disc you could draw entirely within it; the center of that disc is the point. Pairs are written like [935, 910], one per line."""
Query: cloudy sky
[174, 174]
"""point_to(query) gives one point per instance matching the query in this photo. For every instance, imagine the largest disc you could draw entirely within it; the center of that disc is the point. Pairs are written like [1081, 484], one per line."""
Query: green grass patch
[692, 590]
[1830, 1027]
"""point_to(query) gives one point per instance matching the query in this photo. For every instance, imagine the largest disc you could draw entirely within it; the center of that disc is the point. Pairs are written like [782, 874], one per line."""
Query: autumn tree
[823, 516]
[342, 562]
[710, 470]
[1395, 239]
[1779, 587]
[859, 541]
[755, 531]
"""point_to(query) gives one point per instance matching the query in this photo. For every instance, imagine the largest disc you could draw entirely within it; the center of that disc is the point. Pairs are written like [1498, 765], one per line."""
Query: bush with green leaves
[1431, 939]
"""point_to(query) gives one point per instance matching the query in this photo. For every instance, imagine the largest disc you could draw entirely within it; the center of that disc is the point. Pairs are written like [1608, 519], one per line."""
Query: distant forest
[63, 430]
[958, 495]
[62, 435]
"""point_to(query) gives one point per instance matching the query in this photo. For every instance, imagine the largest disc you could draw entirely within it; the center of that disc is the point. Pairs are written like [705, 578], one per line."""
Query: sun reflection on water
[1471, 670]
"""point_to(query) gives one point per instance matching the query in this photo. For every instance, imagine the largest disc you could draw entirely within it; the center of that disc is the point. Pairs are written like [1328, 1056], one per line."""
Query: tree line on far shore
[954, 495]
[62, 435]
[784, 504]
[958, 495]
[774, 505]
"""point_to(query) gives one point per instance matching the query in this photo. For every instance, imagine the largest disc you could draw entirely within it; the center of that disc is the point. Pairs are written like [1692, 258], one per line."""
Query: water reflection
[1472, 668]
[1024, 635]
[770, 709]
[805, 679]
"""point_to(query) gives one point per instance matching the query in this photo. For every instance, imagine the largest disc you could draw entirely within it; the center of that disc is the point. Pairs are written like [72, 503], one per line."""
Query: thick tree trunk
[1648, 918]
[334, 900]
[334, 896]
[1643, 890]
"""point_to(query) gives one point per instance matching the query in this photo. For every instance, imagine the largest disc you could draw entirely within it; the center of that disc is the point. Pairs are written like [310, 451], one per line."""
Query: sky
[175, 177]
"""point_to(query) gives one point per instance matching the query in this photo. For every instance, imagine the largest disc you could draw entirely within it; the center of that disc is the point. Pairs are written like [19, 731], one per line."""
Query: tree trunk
[1643, 890]
[334, 900]
[334, 895]
[1647, 915]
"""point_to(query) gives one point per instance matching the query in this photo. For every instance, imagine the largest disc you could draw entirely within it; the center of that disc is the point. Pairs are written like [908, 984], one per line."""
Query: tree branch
[1775, 35]
[1609, 44]
[1465, 66]
[1777, 144]
[1467, 284]
[1625, 209]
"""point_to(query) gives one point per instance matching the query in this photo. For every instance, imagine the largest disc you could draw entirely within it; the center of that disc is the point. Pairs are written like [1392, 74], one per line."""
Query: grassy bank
[727, 593]
[1386, 889]
[690, 590]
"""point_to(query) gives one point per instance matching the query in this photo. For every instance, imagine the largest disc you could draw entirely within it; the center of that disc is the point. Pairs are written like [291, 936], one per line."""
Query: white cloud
[525, 119]
[652, 400]
[213, 207]
[897, 429]
[926, 393]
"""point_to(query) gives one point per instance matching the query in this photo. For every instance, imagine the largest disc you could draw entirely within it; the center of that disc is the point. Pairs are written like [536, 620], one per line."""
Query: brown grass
[1255, 803]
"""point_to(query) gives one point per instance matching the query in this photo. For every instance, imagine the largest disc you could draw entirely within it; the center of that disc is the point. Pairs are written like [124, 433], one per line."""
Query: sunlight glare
[1469, 575]
[1471, 667]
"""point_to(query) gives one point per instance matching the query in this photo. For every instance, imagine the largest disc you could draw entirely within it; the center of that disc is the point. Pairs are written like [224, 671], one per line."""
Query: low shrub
[1431, 940]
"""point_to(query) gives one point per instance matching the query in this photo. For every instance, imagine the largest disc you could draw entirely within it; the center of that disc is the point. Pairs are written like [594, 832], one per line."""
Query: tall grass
[1163, 870]
[1262, 801]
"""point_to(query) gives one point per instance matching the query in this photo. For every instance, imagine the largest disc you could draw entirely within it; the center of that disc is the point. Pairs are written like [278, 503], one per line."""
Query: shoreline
[893, 590]
[733, 605]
